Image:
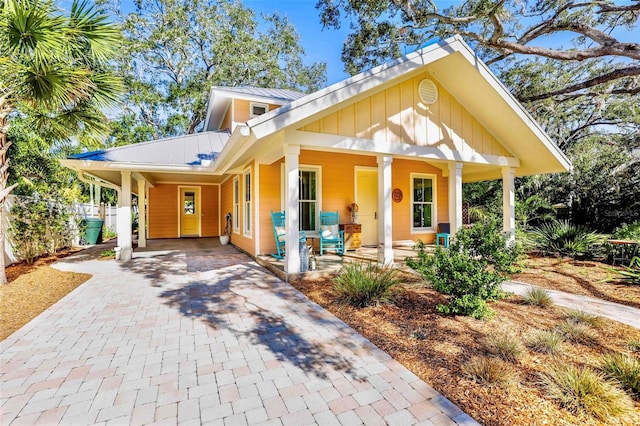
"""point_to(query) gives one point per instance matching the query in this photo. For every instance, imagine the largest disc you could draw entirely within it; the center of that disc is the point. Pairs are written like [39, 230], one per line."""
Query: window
[236, 204]
[308, 199]
[247, 202]
[422, 208]
[189, 203]
[258, 109]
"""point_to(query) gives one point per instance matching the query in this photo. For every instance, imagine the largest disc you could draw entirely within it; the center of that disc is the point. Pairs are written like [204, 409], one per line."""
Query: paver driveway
[201, 338]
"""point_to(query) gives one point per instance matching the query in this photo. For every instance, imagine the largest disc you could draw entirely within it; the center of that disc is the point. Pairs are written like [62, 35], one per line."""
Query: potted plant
[224, 238]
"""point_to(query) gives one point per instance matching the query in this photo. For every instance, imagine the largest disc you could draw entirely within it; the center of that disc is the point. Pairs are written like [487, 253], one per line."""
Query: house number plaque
[396, 195]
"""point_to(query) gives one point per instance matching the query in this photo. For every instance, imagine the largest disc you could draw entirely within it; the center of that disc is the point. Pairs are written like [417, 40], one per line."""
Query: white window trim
[257, 104]
[236, 205]
[434, 204]
[246, 204]
[301, 168]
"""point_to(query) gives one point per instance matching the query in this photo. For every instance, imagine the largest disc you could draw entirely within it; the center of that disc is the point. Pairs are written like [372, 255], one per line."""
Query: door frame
[357, 169]
[198, 191]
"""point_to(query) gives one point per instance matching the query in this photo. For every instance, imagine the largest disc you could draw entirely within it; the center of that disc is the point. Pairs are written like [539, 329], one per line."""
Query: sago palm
[53, 72]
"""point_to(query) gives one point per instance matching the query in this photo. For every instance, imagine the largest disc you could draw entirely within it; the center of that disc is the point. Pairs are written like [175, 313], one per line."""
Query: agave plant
[566, 239]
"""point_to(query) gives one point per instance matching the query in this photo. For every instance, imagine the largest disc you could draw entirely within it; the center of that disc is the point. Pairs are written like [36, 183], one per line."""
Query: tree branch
[604, 78]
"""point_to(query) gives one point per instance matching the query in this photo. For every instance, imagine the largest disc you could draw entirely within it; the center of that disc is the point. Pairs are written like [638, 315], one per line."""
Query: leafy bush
[576, 331]
[580, 316]
[624, 369]
[471, 270]
[538, 297]
[39, 227]
[362, 284]
[566, 239]
[584, 392]
[504, 346]
[546, 342]
[489, 371]
[627, 232]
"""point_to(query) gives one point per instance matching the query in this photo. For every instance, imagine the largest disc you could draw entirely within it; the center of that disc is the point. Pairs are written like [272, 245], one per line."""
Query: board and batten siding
[397, 115]
[163, 210]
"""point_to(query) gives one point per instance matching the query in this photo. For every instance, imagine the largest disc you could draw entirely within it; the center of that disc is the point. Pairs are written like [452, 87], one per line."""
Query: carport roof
[199, 149]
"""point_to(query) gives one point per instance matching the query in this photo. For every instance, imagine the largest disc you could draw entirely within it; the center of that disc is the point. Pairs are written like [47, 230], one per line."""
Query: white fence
[81, 210]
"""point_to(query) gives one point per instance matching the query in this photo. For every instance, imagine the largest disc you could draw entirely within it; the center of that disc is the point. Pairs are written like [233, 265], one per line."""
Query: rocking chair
[330, 233]
[279, 232]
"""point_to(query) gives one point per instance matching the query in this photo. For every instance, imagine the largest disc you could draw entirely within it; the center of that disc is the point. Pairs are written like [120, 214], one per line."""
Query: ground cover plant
[362, 284]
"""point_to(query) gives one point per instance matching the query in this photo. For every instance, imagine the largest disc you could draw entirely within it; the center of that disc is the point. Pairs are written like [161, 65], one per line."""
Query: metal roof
[199, 149]
[286, 95]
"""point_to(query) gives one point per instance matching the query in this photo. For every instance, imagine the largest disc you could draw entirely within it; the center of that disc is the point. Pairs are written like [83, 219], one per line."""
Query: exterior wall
[238, 238]
[401, 178]
[397, 115]
[242, 112]
[163, 210]
[338, 191]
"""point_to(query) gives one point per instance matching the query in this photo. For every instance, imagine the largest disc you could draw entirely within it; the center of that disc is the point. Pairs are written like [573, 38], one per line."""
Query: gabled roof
[199, 149]
[455, 66]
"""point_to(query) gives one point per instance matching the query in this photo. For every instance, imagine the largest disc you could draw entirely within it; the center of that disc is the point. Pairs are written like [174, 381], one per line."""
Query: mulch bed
[450, 342]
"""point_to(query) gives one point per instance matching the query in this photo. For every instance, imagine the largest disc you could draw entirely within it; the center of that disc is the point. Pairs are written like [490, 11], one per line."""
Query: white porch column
[142, 212]
[292, 199]
[124, 218]
[509, 202]
[385, 222]
[455, 196]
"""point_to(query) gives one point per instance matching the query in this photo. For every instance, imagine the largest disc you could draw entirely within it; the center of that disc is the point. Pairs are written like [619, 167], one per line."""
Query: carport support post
[124, 217]
[509, 202]
[292, 197]
[385, 228]
[455, 196]
[142, 212]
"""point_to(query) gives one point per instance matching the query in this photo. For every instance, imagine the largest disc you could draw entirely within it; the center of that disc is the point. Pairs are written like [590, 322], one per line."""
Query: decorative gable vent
[428, 91]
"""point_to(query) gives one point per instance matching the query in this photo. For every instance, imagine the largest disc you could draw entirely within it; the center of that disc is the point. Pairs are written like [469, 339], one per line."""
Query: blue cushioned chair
[444, 231]
[330, 234]
[279, 232]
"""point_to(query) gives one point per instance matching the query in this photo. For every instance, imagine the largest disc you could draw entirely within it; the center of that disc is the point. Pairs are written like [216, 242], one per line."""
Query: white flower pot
[224, 240]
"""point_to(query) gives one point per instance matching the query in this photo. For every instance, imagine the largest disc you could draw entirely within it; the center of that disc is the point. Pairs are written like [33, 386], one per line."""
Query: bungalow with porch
[399, 140]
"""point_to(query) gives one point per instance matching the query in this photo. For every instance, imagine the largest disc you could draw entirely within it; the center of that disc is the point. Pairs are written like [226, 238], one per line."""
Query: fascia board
[79, 164]
[235, 147]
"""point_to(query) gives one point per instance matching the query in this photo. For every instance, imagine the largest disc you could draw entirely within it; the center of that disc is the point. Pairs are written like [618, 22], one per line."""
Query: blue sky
[320, 45]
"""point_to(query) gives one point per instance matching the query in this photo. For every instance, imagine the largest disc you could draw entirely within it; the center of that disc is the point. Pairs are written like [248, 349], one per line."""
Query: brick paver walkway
[194, 338]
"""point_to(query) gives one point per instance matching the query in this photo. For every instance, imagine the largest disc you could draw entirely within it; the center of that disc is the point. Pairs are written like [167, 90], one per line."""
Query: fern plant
[566, 239]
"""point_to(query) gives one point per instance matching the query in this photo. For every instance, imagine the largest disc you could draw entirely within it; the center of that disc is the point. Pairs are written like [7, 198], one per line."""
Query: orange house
[398, 140]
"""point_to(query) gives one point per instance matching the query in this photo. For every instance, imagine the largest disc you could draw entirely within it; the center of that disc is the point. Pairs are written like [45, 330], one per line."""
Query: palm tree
[54, 73]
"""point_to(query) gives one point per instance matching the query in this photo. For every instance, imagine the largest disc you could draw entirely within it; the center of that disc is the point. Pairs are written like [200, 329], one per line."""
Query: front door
[189, 211]
[367, 199]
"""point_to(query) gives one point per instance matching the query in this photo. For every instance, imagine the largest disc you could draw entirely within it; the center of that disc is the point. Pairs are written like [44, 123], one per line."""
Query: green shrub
[362, 284]
[39, 227]
[576, 331]
[489, 371]
[470, 271]
[624, 369]
[418, 334]
[580, 316]
[546, 342]
[584, 392]
[538, 297]
[566, 239]
[504, 346]
[627, 232]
